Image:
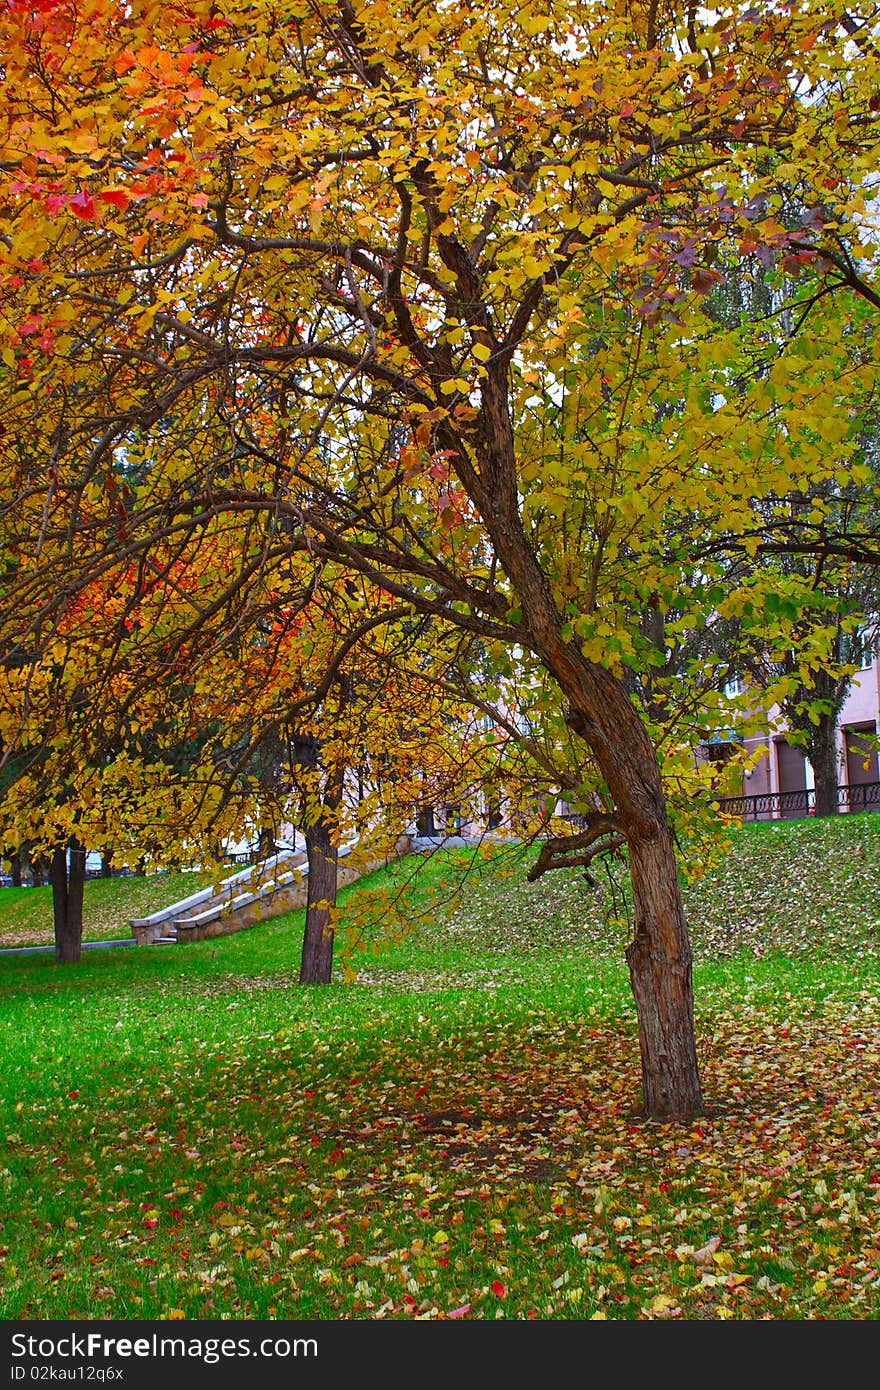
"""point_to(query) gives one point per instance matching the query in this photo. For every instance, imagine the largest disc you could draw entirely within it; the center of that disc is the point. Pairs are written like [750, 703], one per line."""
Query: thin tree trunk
[15, 869]
[107, 864]
[67, 901]
[322, 848]
[823, 756]
[316, 967]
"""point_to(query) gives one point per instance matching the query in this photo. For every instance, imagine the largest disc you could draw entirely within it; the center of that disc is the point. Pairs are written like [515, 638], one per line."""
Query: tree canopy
[422, 293]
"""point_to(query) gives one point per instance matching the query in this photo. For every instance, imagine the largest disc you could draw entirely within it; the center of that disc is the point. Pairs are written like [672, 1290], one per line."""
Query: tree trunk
[425, 821]
[659, 960]
[67, 901]
[316, 967]
[659, 956]
[600, 712]
[107, 864]
[823, 756]
[15, 869]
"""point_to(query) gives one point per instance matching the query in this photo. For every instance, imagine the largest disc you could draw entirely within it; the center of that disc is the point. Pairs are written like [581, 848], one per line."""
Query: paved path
[38, 950]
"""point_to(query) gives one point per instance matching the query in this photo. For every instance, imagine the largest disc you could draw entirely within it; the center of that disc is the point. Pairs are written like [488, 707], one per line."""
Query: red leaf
[703, 280]
[117, 197]
[497, 1288]
[82, 204]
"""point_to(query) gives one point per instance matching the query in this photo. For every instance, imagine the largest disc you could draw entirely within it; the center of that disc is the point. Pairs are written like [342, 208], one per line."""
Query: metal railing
[861, 796]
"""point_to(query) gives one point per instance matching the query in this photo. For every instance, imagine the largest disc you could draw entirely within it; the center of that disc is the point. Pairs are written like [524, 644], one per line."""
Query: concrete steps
[256, 894]
[221, 905]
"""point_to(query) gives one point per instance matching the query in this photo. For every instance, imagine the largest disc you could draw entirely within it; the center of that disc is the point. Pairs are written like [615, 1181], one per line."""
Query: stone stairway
[253, 895]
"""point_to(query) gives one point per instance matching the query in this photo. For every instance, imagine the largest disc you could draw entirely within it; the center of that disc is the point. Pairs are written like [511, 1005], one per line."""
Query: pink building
[781, 782]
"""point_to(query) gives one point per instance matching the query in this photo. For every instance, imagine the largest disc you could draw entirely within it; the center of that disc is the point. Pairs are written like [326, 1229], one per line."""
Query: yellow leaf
[535, 24]
[662, 1303]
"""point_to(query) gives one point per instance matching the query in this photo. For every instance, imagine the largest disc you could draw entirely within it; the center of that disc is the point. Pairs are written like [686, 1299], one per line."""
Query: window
[864, 646]
[719, 752]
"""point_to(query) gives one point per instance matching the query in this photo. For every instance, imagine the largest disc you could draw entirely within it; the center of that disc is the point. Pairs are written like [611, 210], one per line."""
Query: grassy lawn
[187, 1132]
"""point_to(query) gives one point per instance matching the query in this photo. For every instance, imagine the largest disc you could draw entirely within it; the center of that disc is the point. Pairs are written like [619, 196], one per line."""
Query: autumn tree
[825, 593]
[418, 292]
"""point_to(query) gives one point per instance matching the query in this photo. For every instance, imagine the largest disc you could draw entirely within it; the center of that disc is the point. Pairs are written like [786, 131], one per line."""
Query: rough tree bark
[659, 955]
[67, 900]
[660, 971]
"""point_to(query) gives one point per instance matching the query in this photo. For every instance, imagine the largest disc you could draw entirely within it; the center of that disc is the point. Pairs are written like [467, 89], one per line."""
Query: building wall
[775, 770]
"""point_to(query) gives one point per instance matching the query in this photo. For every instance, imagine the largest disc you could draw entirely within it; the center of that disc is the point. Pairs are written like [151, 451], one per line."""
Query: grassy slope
[818, 880]
[189, 1131]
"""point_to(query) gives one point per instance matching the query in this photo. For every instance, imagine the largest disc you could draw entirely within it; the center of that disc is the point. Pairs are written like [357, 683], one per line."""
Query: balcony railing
[864, 796]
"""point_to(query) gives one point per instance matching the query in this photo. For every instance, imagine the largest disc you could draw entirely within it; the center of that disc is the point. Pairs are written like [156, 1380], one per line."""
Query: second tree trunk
[68, 884]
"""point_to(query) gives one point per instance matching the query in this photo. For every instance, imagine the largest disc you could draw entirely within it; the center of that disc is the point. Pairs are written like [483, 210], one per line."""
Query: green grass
[189, 1132]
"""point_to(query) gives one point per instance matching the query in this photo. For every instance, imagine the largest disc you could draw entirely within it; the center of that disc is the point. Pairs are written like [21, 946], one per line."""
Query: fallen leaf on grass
[662, 1306]
[703, 1256]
